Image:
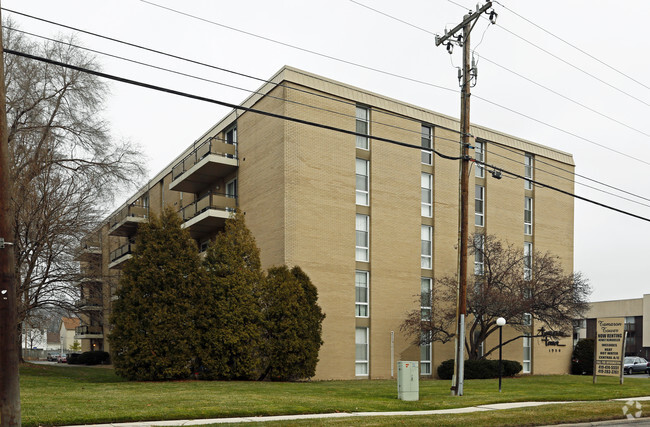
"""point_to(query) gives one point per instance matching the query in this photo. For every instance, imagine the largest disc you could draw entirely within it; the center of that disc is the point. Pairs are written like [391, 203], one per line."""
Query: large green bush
[480, 369]
[292, 325]
[582, 362]
[153, 319]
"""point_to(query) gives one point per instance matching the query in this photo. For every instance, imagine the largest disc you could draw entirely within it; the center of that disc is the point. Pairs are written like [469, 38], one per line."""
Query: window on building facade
[362, 238]
[362, 185]
[528, 171]
[478, 155]
[231, 188]
[526, 355]
[425, 358]
[479, 206]
[481, 346]
[528, 216]
[427, 137]
[427, 246]
[361, 293]
[528, 260]
[231, 135]
[361, 358]
[231, 138]
[425, 297]
[362, 127]
[479, 262]
[427, 194]
[630, 327]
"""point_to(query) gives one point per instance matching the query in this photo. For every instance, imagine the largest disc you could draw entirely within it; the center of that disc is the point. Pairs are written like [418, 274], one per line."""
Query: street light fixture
[500, 323]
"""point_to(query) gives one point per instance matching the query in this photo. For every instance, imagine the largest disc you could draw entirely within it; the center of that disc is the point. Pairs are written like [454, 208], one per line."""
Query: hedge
[480, 369]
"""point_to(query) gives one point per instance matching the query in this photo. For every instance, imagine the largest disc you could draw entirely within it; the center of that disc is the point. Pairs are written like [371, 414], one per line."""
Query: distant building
[67, 332]
[636, 312]
[372, 223]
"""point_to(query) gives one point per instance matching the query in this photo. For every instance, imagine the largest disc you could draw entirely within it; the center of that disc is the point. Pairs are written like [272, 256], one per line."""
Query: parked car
[53, 357]
[62, 358]
[634, 365]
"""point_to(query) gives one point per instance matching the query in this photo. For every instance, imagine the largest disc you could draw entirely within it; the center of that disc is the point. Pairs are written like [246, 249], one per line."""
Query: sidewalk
[493, 407]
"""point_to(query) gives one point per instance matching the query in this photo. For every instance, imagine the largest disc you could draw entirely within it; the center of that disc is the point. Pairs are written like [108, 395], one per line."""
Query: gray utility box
[408, 377]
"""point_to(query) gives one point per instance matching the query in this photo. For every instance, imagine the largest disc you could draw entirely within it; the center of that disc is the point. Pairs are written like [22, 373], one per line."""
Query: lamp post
[500, 322]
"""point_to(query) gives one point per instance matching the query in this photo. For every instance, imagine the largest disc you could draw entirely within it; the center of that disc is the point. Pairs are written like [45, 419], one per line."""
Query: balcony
[208, 214]
[87, 331]
[89, 304]
[125, 222]
[119, 255]
[89, 253]
[210, 160]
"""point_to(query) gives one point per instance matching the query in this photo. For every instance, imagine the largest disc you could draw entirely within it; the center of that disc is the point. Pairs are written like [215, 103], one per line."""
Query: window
[362, 238]
[426, 143]
[362, 182]
[362, 127]
[425, 297]
[361, 358]
[527, 319]
[425, 358]
[361, 293]
[231, 188]
[231, 138]
[479, 261]
[528, 171]
[479, 206]
[427, 195]
[528, 261]
[526, 359]
[478, 155]
[528, 216]
[426, 246]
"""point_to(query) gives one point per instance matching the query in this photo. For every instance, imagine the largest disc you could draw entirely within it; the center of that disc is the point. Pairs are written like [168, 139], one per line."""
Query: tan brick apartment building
[369, 221]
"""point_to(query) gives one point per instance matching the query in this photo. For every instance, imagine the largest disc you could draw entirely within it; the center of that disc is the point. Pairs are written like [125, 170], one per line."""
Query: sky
[593, 101]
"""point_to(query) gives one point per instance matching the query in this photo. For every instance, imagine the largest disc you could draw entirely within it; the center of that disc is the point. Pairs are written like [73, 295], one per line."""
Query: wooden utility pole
[9, 386]
[463, 227]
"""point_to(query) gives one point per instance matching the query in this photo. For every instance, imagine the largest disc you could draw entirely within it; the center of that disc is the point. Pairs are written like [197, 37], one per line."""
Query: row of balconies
[88, 331]
[210, 161]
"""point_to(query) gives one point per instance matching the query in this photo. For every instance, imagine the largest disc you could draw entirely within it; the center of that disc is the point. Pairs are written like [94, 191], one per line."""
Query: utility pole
[9, 343]
[463, 232]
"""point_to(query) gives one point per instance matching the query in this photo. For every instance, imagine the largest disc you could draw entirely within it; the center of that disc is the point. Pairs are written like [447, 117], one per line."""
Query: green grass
[57, 395]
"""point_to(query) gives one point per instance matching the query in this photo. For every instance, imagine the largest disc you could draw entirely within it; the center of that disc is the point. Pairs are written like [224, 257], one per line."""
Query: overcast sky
[610, 248]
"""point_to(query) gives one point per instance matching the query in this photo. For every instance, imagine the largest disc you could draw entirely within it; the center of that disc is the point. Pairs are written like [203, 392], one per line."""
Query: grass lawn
[58, 395]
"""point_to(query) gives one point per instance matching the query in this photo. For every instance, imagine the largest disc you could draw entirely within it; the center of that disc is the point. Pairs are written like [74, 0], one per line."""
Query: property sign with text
[610, 333]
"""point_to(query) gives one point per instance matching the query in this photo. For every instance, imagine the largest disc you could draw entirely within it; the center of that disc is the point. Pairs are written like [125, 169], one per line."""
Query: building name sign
[610, 337]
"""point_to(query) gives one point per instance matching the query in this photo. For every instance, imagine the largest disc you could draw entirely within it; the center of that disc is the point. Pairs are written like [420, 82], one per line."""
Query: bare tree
[65, 165]
[507, 283]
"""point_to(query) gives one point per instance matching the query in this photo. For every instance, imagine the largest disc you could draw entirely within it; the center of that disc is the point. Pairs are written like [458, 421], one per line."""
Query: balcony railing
[88, 330]
[89, 253]
[208, 214]
[89, 303]
[125, 222]
[212, 159]
[120, 255]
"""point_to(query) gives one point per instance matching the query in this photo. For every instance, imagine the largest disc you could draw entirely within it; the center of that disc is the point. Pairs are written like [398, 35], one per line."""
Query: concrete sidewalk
[493, 407]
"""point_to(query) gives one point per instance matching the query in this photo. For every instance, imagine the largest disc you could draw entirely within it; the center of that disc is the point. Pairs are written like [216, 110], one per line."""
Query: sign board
[610, 337]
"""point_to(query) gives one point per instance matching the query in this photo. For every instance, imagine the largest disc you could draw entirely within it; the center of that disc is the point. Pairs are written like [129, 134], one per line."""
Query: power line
[550, 33]
[309, 123]
[540, 85]
[223, 103]
[563, 60]
[537, 169]
[568, 193]
[537, 160]
[202, 64]
[316, 53]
